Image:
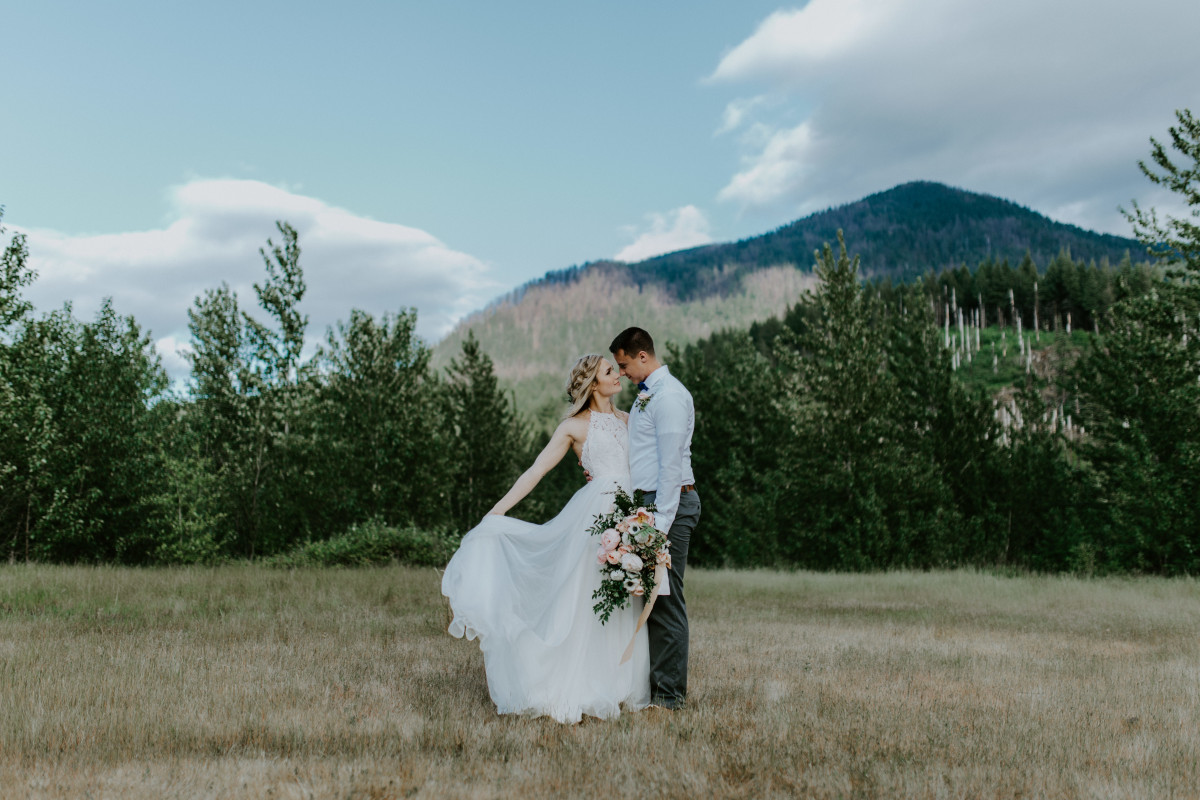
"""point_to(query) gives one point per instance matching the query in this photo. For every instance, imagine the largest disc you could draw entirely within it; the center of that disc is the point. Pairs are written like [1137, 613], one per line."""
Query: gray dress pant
[667, 628]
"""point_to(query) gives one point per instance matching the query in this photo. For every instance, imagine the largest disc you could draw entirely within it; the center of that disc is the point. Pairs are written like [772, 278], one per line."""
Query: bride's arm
[555, 449]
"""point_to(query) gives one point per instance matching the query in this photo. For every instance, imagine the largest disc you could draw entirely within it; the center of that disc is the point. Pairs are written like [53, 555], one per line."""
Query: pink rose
[601, 556]
[639, 591]
[623, 549]
[610, 540]
[613, 556]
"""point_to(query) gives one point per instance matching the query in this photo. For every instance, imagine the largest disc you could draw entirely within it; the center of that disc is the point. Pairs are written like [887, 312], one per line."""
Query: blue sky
[438, 154]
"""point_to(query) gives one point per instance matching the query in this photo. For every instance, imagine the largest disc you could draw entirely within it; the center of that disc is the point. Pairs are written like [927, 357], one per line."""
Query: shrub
[373, 542]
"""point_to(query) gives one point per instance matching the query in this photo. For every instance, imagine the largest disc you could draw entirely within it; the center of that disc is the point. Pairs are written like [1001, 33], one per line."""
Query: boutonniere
[642, 399]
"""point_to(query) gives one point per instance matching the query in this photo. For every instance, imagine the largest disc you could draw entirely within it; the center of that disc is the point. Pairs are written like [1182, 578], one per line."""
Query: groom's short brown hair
[632, 341]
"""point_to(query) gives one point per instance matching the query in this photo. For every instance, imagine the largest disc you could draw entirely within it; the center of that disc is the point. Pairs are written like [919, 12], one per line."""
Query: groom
[660, 464]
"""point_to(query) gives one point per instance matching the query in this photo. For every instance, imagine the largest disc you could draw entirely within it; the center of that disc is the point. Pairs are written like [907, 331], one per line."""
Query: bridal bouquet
[630, 550]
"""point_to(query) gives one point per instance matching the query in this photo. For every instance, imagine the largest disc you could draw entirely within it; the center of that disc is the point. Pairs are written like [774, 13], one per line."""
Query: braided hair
[581, 382]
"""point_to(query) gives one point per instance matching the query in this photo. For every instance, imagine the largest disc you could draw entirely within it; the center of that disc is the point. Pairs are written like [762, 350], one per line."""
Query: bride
[525, 590]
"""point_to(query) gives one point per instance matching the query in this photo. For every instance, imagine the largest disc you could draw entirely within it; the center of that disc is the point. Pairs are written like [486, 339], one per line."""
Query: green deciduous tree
[245, 376]
[375, 427]
[85, 456]
[77, 429]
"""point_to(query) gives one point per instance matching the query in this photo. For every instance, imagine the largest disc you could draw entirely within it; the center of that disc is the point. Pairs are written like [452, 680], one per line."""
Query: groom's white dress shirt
[660, 444]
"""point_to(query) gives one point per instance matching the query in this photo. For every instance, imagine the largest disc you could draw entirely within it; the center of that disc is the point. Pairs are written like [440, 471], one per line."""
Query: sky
[437, 155]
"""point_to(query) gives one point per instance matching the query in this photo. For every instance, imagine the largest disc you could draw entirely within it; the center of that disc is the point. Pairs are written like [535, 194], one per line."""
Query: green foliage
[372, 429]
[1040, 498]
[246, 385]
[858, 488]
[192, 525]
[14, 275]
[1140, 396]
[840, 438]
[487, 439]
[1174, 240]
[372, 543]
[735, 446]
[1067, 292]
[78, 400]
[1139, 389]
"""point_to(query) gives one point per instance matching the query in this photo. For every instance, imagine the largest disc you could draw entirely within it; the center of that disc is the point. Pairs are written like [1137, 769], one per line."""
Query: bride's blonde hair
[581, 381]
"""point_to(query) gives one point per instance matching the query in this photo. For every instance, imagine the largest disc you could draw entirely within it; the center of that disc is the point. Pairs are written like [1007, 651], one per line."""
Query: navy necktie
[642, 386]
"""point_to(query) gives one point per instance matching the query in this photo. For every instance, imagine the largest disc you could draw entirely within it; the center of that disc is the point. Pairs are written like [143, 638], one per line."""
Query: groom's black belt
[691, 487]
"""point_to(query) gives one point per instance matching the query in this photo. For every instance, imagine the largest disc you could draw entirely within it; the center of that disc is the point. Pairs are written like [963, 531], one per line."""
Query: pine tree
[856, 489]
[1174, 240]
[1139, 387]
[484, 429]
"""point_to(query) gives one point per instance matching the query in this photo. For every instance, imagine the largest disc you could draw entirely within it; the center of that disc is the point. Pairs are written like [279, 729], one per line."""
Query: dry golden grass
[247, 682]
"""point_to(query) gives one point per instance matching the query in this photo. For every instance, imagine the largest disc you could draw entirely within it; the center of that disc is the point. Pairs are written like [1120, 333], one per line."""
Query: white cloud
[676, 230]
[219, 225]
[781, 165]
[738, 112]
[791, 39]
[1049, 104]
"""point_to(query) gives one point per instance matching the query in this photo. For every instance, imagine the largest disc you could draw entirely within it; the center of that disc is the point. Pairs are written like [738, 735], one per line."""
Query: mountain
[900, 233]
[534, 334]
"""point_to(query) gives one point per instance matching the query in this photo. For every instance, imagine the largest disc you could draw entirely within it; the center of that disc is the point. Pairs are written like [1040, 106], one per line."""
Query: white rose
[617, 575]
[631, 563]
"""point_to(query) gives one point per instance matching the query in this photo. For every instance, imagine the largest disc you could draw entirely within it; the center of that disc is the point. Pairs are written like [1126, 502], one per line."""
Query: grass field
[243, 681]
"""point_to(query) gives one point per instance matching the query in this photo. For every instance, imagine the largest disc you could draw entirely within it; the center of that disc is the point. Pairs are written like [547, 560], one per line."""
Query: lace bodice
[606, 449]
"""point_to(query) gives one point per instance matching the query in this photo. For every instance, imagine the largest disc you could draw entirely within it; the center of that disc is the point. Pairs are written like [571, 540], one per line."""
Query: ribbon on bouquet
[660, 581]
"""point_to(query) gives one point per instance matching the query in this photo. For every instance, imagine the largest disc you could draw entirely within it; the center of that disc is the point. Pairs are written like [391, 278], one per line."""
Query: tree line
[101, 461]
[836, 437]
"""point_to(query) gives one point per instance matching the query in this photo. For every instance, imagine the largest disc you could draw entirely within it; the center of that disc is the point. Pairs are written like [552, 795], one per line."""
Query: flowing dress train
[525, 591]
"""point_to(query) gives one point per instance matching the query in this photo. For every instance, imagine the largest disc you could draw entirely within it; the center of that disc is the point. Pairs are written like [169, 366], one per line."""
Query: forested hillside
[900, 233]
[914, 230]
[535, 337]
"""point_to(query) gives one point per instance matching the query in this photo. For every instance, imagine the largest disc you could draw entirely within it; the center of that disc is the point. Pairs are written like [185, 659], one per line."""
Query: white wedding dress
[526, 591]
